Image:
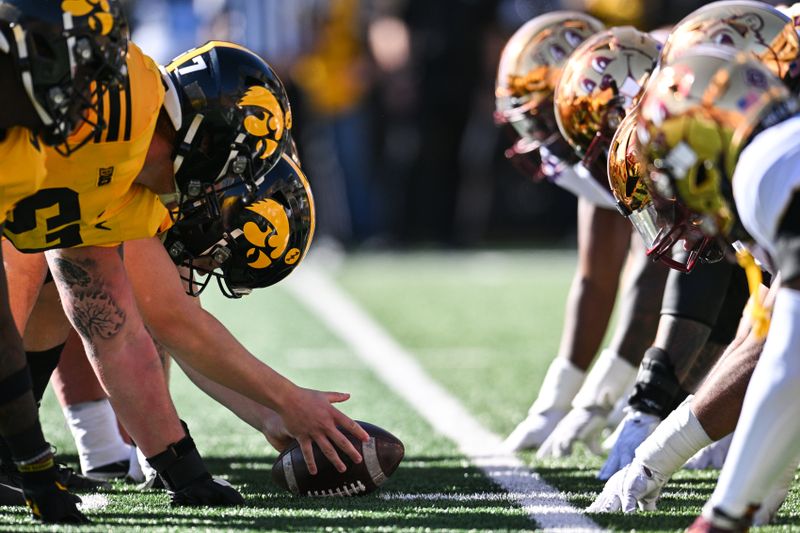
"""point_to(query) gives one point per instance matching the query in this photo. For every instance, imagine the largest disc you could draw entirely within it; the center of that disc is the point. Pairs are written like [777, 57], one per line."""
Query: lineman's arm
[201, 341]
[260, 418]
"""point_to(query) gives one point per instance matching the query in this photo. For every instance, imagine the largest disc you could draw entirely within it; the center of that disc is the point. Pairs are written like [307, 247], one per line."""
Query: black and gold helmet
[530, 67]
[658, 220]
[744, 25]
[698, 114]
[66, 54]
[258, 237]
[231, 114]
[601, 83]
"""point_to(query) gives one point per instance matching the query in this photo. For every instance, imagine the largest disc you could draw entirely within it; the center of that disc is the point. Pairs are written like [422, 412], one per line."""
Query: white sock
[765, 440]
[561, 383]
[610, 378]
[94, 428]
[148, 471]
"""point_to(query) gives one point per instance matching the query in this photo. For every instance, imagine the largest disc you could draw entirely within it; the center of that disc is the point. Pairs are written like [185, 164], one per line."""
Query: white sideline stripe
[93, 502]
[401, 372]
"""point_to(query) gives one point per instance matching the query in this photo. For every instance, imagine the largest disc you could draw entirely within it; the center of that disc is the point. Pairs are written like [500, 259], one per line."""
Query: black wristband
[657, 387]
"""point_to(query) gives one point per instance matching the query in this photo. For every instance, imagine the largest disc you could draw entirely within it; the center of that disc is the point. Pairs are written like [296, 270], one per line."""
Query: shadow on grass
[436, 492]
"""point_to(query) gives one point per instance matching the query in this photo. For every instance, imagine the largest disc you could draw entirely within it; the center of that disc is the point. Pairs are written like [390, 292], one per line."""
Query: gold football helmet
[694, 120]
[629, 187]
[601, 83]
[747, 26]
[530, 66]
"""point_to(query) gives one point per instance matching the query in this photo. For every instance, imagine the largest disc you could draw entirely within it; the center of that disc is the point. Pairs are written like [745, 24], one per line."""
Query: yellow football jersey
[89, 198]
[22, 167]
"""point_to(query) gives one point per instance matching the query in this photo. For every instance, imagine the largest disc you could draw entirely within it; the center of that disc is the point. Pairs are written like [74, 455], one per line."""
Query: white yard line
[400, 371]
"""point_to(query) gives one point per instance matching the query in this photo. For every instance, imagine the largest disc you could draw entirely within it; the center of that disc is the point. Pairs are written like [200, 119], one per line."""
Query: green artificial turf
[484, 325]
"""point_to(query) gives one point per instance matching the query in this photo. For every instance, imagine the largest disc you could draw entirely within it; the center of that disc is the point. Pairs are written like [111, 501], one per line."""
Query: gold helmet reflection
[747, 26]
[531, 64]
[694, 120]
[601, 83]
[625, 170]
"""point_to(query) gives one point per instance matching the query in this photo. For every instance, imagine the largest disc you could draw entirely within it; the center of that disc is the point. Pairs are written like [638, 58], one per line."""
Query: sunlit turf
[484, 325]
[277, 329]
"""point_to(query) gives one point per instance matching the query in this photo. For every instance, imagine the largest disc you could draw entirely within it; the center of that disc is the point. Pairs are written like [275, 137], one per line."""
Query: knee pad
[657, 390]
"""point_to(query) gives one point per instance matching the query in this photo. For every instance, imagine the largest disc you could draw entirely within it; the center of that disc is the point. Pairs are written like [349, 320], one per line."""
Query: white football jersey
[766, 177]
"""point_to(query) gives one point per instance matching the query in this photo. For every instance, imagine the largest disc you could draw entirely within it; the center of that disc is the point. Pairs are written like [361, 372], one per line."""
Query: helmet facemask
[67, 61]
[247, 238]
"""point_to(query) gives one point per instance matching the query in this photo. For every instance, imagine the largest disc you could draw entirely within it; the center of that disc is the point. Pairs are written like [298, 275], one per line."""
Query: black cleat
[75, 482]
[117, 470]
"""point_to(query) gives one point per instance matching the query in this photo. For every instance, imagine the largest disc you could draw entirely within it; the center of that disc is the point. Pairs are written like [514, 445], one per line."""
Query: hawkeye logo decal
[269, 123]
[271, 244]
[98, 12]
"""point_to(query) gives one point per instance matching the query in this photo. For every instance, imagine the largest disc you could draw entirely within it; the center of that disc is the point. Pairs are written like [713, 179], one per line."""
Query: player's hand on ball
[580, 425]
[635, 486]
[310, 417]
[634, 429]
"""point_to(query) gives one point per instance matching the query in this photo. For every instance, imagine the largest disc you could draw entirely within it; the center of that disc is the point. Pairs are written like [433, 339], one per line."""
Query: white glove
[634, 429]
[531, 432]
[712, 456]
[561, 384]
[580, 425]
[633, 486]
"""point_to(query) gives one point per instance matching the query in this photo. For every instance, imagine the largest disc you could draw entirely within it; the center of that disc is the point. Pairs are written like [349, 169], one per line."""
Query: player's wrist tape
[180, 465]
[674, 441]
[15, 385]
[657, 387]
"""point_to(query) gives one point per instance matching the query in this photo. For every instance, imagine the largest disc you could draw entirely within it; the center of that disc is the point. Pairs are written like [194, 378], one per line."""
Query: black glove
[49, 500]
[187, 480]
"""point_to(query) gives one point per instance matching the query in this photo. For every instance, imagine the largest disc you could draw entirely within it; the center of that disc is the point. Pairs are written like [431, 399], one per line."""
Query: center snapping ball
[381, 455]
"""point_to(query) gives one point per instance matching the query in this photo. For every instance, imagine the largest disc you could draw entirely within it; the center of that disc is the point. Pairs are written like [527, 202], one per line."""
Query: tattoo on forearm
[94, 311]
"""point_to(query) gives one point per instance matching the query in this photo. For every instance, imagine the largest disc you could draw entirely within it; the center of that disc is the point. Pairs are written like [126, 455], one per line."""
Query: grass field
[483, 325]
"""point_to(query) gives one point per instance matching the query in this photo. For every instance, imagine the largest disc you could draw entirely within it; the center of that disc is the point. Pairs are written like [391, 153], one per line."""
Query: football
[382, 454]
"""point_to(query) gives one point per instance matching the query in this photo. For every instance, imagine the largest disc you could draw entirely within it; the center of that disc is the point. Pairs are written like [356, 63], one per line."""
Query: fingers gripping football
[381, 453]
[310, 418]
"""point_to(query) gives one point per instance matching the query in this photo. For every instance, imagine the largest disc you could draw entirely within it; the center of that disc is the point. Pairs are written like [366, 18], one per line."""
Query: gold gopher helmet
[530, 67]
[747, 26]
[626, 178]
[601, 83]
[698, 114]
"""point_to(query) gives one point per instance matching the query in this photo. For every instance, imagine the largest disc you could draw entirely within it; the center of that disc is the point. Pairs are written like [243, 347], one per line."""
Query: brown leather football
[382, 454]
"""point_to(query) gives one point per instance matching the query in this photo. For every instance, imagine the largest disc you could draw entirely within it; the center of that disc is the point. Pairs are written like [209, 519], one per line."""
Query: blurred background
[392, 103]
